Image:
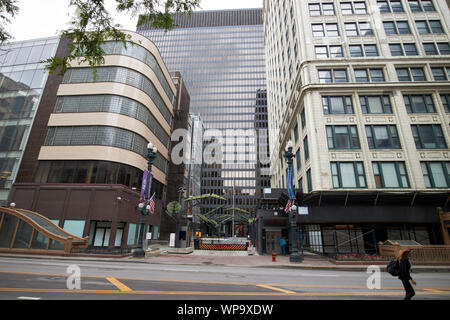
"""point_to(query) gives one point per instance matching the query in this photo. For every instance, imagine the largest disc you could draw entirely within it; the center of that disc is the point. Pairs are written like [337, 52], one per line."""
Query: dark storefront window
[94, 172]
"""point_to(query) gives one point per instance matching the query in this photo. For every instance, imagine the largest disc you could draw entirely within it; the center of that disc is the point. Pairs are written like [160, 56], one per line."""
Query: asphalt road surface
[47, 279]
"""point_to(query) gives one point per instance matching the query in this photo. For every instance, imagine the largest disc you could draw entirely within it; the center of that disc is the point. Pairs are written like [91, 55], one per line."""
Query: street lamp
[294, 257]
[144, 207]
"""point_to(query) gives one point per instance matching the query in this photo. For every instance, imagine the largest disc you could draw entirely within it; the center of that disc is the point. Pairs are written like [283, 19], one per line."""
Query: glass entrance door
[273, 241]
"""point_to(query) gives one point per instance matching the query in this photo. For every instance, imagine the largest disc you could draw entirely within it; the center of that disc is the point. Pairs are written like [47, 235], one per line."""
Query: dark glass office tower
[220, 55]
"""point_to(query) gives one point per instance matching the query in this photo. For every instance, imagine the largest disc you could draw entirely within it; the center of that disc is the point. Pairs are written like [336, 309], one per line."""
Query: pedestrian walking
[404, 273]
[283, 245]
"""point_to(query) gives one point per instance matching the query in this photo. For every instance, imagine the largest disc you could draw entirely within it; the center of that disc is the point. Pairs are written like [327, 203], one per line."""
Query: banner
[144, 183]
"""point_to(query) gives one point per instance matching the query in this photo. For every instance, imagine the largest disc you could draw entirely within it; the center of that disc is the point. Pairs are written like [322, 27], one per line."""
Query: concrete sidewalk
[235, 258]
[242, 259]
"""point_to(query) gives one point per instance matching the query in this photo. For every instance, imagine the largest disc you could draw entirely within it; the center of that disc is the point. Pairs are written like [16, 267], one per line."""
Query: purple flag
[144, 183]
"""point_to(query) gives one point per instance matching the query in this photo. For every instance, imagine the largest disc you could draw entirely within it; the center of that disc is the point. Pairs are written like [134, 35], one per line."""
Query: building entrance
[273, 241]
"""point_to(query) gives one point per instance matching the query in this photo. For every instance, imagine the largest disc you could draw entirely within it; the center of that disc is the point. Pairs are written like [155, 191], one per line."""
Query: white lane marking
[29, 298]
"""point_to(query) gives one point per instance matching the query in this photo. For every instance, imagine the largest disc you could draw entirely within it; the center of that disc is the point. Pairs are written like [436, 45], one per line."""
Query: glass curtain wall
[220, 55]
[22, 80]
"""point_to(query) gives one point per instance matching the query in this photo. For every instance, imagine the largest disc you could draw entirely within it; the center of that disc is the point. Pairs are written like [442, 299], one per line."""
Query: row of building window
[381, 104]
[371, 50]
[364, 28]
[138, 52]
[360, 7]
[404, 74]
[344, 137]
[104, 136]
[120, 75]
[93, 172]
[388, 174]
[113, 104]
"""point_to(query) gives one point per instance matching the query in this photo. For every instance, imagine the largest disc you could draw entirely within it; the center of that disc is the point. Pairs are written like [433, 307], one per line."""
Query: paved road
[47, 279]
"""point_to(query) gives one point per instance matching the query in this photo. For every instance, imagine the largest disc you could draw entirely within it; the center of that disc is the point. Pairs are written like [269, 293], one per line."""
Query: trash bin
[274, 256]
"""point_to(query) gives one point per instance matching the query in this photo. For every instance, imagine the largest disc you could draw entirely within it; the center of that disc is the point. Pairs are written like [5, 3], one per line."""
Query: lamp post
[144, 208]
[294, 257]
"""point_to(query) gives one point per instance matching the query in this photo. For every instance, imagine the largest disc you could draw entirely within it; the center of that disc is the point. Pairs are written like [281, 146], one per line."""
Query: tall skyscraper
[361, 88]
[220, 55]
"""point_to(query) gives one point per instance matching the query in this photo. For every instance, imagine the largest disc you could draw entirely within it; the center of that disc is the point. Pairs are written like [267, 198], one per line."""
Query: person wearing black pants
[405, 273]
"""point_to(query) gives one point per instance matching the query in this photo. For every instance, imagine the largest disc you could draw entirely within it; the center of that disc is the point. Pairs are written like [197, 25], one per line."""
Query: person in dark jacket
[404, 273]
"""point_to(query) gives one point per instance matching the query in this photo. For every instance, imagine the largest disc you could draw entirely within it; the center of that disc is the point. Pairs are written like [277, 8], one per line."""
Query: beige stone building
[362, 90]
[359, 81]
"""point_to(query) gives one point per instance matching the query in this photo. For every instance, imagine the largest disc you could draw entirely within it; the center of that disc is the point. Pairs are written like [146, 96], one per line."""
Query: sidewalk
[235, 258]
[242, 259]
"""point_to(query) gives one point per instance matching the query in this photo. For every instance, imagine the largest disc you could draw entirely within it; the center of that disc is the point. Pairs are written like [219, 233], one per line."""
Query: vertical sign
[144, 183]
[172, 240]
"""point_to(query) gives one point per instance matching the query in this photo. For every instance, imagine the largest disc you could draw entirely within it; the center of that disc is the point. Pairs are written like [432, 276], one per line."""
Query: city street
[47, 279]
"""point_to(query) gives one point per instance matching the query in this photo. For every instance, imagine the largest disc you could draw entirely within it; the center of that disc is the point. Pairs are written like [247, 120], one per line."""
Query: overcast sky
[44, 18]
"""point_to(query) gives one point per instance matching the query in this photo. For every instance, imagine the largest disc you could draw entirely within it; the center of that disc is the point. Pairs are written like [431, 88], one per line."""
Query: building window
[337, 105]
[440, 73]
[329, 52]
[333, 75]
[396, 27]
[444, 48]
[327, 9]
[445, 98]
[436, 174]
[429, 26]
[342, 137]
[303, 119]
[375, 104]
[306, 148]
[327, 30]
[419, 103]
[298, 158]
[430, 49]
[356, 7]
[428, 136]
[348, 175]
[358, 29]
[309, 180]
[390, 6]
[368, 50]
[369, 75]
[421, 5]
[408, 49]
[410, 74]
[383, 137]
[390, 175]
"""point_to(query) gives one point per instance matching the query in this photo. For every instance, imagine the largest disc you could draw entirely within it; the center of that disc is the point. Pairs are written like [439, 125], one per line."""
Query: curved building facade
[111, 119]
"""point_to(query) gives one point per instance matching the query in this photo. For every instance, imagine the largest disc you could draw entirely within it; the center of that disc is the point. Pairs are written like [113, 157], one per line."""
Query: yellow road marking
[274, 288]
[118, 284]
[123, 288]
[213, 293]
[435, 290]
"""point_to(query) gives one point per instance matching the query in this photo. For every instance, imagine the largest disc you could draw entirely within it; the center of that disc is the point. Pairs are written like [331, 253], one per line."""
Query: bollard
[274, 256]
